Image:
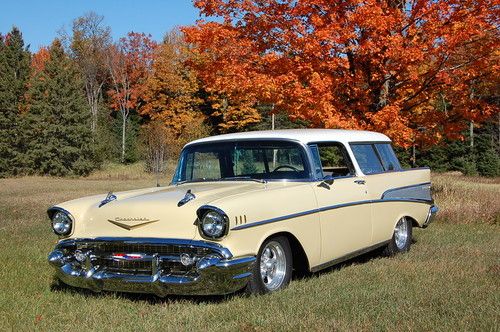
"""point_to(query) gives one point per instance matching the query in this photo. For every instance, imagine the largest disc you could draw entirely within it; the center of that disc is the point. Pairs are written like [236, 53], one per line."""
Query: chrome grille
[131, 266]
[145, 248]
[104, 256]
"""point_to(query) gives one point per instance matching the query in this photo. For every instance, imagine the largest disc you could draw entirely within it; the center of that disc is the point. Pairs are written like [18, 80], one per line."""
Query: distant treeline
[86, 99]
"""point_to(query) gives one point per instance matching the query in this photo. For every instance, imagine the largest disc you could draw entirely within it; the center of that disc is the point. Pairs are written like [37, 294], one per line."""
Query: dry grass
[450, 280]
[114, 171]
[464, 199]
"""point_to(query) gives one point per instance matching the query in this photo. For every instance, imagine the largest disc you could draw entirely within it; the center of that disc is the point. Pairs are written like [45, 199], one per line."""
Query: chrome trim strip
[327, 208]
[268, 221]
[348, 256]
[399, 170]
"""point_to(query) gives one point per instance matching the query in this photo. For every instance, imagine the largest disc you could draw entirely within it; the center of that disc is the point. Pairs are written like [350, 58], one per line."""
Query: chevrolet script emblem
[131, 223]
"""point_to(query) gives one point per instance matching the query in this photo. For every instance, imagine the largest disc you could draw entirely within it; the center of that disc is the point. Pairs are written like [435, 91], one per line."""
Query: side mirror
[328, 179]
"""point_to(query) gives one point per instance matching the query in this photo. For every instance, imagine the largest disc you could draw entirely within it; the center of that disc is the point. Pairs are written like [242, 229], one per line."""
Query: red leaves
[129, 63]
[354, 64]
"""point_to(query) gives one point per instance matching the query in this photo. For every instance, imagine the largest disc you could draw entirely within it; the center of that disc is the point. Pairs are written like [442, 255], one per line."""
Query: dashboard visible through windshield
[250, 160]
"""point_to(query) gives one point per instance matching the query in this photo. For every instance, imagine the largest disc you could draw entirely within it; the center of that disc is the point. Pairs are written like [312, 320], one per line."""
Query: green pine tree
[14, 74]
[60, 141]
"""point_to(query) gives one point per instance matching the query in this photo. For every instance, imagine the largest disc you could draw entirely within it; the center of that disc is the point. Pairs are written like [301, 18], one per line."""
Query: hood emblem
[109, 198]
[188, 197]
[131, 223]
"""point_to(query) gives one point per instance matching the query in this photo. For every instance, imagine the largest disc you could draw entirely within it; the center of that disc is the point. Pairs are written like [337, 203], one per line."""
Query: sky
[40, 20]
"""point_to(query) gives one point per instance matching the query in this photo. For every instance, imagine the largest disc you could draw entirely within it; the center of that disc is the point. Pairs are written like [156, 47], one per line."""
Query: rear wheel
[273, 269]
[401, 238]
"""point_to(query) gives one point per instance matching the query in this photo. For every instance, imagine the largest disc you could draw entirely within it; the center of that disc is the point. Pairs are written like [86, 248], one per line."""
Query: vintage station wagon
[245, 210]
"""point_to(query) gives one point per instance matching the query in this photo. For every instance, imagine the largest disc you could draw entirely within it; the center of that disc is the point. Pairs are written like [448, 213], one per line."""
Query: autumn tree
[376, 64]
[57, 131]
[14, 75]
[39, 59]
[129, 64]
[89, 45]
[171, 92]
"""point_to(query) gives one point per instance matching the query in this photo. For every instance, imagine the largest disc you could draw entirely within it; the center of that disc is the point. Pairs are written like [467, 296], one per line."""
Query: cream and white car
[245, 210]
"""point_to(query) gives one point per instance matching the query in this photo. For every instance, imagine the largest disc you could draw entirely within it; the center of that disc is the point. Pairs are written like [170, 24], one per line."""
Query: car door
[343, 203]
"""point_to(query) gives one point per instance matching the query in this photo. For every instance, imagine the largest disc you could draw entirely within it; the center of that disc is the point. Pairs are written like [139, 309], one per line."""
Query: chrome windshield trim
[308, 162]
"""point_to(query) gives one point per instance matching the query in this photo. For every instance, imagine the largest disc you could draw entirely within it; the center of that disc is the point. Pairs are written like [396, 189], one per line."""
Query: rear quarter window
[388, 157]
[367, 158]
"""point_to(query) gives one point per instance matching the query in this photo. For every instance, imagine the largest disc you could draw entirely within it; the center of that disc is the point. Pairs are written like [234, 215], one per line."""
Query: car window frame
[345, 154]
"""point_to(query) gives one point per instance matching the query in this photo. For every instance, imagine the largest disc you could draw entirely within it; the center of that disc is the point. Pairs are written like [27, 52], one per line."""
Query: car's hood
[152, 212]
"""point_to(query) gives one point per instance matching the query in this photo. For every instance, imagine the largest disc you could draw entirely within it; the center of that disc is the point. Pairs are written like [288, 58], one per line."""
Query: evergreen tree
[14, 74]
[486, 148]
[60, 141]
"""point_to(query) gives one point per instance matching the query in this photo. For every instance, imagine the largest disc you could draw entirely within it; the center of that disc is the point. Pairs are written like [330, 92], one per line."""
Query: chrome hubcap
[401, 233]
[272, 265]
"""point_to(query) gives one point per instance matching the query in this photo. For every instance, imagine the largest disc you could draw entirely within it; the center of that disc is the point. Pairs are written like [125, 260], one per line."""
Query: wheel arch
[300, 260]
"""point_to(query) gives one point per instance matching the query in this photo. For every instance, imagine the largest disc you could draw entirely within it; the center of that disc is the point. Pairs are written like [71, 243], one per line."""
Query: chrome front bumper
[150, 265]
[433, 210]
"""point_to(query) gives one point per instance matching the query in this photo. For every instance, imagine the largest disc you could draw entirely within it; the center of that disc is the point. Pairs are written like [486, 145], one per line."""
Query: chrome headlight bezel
[213, 223]
[62, 221]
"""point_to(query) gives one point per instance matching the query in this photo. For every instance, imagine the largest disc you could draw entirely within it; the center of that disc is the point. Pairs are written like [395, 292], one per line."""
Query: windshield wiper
[247, 178]
[195, 180]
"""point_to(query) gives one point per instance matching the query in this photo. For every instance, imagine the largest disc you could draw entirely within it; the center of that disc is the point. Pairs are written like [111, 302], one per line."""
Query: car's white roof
[303, 135]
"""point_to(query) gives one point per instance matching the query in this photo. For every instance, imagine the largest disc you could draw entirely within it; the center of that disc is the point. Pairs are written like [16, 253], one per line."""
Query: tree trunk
[124, 127]
[471, 133]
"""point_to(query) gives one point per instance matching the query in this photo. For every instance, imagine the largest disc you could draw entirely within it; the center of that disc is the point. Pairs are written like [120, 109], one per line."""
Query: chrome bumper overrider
[433, 210]
[150, 265]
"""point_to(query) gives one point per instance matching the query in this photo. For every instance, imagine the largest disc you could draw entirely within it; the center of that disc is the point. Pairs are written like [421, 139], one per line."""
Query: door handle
[360, 181]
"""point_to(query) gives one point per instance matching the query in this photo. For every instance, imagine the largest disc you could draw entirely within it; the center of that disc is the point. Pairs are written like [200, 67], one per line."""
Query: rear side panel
[395, 195]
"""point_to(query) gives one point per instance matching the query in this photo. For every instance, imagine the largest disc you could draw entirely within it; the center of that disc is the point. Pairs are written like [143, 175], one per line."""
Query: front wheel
[401, 238]
[273, 269]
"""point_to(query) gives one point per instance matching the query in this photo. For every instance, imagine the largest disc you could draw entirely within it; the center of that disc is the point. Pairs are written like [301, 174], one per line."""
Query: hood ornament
[109, 198]
[131, 223]
[188, 197]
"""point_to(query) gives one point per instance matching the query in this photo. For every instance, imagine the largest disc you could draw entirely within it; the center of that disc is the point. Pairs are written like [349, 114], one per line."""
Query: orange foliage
[129, 63]
[171, 88]
[39, 59]
[409, 69]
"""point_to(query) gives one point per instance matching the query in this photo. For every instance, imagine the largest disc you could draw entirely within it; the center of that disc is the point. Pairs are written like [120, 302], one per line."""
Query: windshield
[254, 160]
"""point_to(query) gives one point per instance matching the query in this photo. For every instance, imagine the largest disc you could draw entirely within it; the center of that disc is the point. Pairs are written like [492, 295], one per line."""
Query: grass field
[450, 280]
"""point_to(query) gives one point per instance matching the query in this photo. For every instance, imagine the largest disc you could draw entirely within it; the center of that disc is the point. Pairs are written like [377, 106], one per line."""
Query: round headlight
[61, 223]
[213, 224]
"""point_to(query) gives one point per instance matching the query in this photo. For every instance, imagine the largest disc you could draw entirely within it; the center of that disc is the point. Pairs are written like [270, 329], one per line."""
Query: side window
[334, 160]
[367, 158]
[389, 159]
